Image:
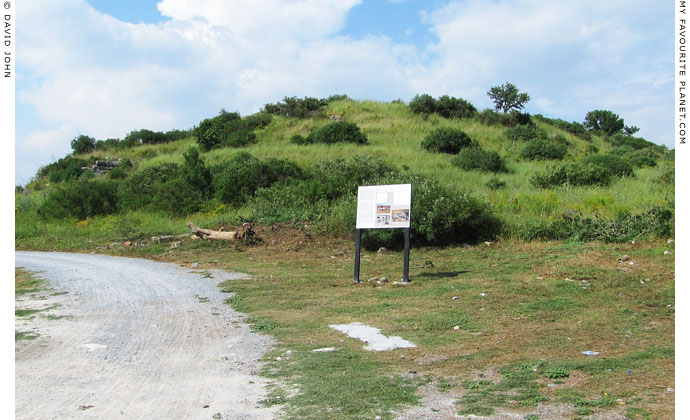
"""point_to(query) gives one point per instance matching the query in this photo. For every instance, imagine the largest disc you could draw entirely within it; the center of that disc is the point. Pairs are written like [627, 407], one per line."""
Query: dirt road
[134, 339]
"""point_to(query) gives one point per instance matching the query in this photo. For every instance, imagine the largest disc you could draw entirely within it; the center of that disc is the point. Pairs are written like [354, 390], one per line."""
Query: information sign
[384, 206]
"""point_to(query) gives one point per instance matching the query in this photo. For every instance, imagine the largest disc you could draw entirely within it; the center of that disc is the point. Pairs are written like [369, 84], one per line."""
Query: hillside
[502, 327]
[632, 204]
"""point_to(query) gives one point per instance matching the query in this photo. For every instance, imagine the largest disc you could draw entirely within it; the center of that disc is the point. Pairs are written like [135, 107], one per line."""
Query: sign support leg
[358, 239]
[406, 267]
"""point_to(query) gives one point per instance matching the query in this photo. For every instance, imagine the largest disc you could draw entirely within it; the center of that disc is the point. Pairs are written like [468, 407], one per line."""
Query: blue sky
[104, 68]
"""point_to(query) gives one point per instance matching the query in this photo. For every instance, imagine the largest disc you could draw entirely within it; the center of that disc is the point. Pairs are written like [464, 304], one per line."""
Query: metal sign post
[384, 207]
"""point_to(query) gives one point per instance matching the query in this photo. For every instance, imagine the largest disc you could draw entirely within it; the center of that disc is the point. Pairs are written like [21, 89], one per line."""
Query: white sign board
[384, 206]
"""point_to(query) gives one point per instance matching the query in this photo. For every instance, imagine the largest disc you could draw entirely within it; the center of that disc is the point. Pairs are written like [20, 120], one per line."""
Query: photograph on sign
[384, 206]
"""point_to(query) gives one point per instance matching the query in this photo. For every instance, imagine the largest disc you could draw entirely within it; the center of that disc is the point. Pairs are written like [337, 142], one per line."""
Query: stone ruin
[102, 166]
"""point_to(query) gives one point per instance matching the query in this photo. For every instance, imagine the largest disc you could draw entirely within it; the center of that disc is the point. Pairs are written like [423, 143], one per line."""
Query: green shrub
[235, 181]
[161, 188]
[446, 106]
[83, 144]
[210, 131]
[299, 139]
[144, 136]
[451, 107]
[258, 121]
[475, 158]
[118, 172]
[440, 216]
[543, 149]
[338, 132]
[605, 121]
[617, 166]
[490, 117]
[338, 177]
[293, 107]
[81, 199]
[495, 184]
[237, 134]
[524, 133]
[446, 140]
[423, 104]
[572, 174]
[636, 143]
[196, 173]
[656, 222]
[64, 169]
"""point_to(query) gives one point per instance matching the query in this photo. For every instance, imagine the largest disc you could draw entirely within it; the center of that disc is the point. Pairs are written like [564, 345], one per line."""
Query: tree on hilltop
[507, 97]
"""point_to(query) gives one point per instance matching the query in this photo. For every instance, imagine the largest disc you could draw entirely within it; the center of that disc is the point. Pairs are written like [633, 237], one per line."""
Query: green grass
[511, 303]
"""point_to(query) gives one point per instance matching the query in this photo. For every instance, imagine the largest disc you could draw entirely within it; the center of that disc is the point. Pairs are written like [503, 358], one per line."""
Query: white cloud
[272, 19]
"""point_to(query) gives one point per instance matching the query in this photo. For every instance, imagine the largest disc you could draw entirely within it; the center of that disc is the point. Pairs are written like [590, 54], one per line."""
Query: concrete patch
[372, 337]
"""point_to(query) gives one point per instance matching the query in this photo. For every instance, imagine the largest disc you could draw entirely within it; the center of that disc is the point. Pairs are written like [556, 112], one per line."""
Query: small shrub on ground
[67, 169]
[495, 184]
[81, 199]
[524, 133]
[337, 132]
[423, 104]
[196, 173]
[475, 158]
[442, 217]
[657, 221]
[446, 140]
[543, 149]
[572, 174]
[293, 107]
[636, 143]
[490, 117]
[451, 107]
[160, 188]
[617, 166]
[235, 181]
[446, 106]
[144, 136]
[209, 132]
[299, 139]
[338, 177]
[237, 134]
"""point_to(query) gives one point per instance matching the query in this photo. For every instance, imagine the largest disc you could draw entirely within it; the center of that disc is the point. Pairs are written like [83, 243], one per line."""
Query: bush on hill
[446, 106]
[524, 133]
[658, 221]
[81, 199]
[238, 179]
[442, 216]
[160, 188]
[83, 144]
[475, 158]
[544, 149]
[336, 132]
[572, 174]
[604, 120]
[65, 169]
[617, 166]
[293, 107]
[446, 140]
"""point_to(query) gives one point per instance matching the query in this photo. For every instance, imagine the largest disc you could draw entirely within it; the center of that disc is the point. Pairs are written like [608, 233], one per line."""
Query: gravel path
[134, 339]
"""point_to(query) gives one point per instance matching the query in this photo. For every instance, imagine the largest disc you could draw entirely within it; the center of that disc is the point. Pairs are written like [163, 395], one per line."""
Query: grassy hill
[499, 327]
[395, 134]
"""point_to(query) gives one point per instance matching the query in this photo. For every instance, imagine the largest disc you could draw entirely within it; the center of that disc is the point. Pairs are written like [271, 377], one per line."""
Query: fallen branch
[242, 233]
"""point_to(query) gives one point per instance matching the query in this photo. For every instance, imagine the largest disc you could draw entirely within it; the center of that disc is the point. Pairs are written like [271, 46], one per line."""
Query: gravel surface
[134, 339]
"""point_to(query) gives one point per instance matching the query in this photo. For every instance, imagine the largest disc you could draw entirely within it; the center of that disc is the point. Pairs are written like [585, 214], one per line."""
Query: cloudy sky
[104, 68]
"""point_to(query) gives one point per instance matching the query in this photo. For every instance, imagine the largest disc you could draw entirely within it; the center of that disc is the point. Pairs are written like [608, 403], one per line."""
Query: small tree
[507, 97]
[603, 120]
[83, 144]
